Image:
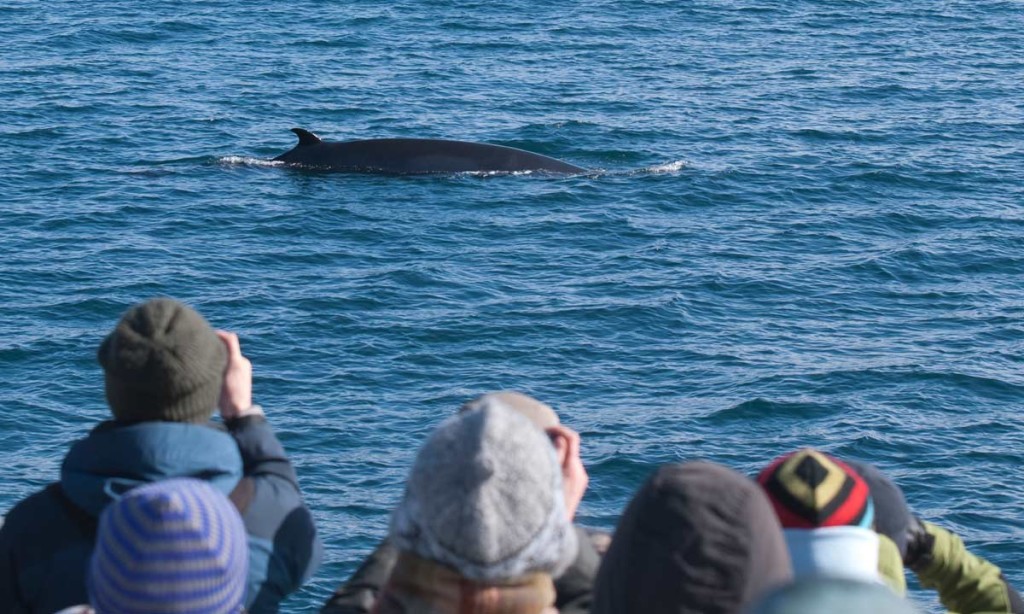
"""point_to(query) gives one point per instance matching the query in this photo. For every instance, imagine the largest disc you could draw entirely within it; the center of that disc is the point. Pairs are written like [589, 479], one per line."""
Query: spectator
[172, 546]
[827, 516]
[165, 371]
[697, 537]
[483, 524]
[573, 587]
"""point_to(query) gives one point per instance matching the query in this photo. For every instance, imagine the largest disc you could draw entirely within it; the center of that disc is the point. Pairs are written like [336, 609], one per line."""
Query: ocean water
[805, 226]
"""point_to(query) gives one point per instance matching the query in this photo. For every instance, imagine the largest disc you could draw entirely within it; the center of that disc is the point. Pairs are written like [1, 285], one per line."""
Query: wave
[248, 161]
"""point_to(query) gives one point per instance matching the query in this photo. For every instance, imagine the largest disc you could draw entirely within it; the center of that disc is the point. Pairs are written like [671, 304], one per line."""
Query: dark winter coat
[46, 540]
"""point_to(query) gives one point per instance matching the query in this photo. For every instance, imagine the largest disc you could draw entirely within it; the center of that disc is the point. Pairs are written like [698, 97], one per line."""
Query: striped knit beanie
[173, 546]
[810, 490]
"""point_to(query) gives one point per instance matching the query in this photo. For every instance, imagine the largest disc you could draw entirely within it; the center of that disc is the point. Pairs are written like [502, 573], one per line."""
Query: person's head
[832, 595]
[162, 361]
[565, 440]
[826, 513]
[172, 546]
[696, 537]
[484, 497]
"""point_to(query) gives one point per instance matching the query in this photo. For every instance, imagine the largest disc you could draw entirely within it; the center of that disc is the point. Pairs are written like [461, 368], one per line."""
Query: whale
[417, 157]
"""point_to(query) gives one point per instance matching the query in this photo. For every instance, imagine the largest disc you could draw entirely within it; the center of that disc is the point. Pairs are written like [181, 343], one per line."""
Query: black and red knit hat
[810, 490]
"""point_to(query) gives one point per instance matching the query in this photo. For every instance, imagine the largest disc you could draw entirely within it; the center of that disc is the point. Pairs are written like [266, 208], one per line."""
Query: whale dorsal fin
[306, 137]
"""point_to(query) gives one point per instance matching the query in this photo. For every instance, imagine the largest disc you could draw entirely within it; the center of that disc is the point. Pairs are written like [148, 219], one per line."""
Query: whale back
[417, 156]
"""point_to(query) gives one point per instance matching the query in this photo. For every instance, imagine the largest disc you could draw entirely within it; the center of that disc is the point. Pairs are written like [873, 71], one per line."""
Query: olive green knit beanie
[162, 361]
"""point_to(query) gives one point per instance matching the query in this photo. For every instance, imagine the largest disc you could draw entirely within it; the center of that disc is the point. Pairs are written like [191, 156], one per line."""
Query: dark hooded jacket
[697, 537]
[46, 540]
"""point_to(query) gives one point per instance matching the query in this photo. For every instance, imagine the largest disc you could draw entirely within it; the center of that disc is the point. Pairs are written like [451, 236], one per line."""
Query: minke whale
[416, 156]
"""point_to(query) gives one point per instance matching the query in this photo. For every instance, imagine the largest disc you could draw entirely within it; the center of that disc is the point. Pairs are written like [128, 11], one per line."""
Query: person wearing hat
[483, 525]
[827, 515]
[165, 372]
[573, 586]
[828, 509]
[696, 537]
[177, 545]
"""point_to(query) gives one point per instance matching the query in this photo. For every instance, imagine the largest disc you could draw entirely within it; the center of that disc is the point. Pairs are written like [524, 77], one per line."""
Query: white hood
[839, 552]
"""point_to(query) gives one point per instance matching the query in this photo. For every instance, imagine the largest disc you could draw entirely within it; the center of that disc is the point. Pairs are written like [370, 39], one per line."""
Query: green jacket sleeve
[967, 584]
[890, 566]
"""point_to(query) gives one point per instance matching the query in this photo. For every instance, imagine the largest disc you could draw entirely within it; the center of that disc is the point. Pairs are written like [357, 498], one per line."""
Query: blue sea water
[806, 227]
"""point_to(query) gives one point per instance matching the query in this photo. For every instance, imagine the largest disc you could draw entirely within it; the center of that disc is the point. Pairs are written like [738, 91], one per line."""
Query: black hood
[892, 516]
[697, 537]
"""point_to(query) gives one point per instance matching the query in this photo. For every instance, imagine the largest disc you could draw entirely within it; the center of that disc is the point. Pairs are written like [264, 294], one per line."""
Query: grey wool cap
[485, 497]
[162, 361]
[540, 414]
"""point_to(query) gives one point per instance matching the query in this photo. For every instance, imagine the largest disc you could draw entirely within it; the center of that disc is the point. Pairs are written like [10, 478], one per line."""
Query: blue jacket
[46, 539]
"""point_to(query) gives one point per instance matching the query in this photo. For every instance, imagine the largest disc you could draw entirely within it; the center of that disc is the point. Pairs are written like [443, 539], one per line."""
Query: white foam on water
[668, 167]
[527, 173]
[248, 161]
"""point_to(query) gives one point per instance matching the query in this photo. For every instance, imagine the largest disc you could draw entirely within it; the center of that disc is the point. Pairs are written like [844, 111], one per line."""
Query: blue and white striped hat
[175, 546]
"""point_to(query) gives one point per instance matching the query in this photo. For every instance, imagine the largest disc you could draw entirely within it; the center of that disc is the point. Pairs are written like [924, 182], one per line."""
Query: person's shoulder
[37, 518]
[39, 505]
[77, 609]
